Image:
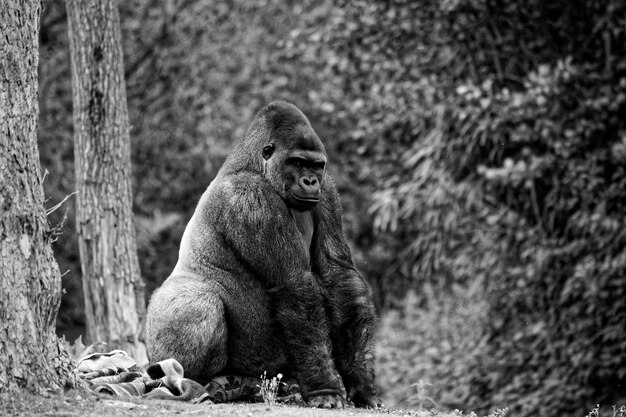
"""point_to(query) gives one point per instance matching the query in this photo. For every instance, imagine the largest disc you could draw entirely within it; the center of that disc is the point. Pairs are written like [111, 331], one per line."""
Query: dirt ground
[83, 404]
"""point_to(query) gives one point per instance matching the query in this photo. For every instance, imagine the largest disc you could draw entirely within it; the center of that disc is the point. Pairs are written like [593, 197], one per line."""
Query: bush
[494, 134]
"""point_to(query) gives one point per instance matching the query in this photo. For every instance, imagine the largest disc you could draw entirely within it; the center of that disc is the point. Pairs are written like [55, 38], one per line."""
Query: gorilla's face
[306, 172]
[295, 162]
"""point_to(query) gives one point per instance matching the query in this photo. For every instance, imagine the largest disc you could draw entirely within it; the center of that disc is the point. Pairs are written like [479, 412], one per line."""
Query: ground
[83, 404]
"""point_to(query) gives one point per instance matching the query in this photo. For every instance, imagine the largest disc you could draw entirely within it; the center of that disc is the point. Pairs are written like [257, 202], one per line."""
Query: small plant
[595, 412]
[421, 397]
[269, 388]
[617, 412]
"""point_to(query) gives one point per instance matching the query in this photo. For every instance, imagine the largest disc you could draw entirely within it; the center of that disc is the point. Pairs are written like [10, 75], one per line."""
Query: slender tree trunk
[113, 288]
[30, 284]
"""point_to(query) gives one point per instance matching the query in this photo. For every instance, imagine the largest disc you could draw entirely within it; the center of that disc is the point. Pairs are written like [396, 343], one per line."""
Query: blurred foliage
[479, 147]
[494, 134]
[424, 344]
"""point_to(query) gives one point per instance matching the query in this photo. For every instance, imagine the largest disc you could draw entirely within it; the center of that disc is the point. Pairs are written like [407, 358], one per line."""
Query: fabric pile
[117, 374]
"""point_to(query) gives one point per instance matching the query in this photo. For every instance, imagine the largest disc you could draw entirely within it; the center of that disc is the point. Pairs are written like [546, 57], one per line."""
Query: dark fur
[262, 287]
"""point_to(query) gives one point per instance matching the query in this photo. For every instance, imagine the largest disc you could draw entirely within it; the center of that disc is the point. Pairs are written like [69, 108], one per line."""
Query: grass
[77, 403]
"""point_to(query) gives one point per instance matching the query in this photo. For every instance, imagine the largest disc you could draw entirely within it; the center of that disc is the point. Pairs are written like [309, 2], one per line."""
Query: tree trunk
[30, 283]
[112, 285]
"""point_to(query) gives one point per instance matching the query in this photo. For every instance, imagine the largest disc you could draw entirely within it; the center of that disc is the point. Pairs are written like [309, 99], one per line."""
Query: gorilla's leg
[186, 321]
[301, 316]
[254, 343]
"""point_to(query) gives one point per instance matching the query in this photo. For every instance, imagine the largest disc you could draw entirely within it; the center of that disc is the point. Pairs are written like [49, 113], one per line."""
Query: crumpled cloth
[117, 374]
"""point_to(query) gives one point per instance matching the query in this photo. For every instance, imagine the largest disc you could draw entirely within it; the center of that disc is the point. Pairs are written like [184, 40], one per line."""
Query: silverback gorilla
[265, 279]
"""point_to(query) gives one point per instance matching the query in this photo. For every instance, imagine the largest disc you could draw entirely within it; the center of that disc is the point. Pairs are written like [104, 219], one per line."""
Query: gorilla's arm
[257, 226]
[353, 316]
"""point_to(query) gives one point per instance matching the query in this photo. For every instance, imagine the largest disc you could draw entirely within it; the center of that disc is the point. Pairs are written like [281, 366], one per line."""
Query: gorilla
[265, 279]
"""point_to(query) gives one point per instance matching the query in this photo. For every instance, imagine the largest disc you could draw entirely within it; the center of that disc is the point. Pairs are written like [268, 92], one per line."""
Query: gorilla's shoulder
[242, 193]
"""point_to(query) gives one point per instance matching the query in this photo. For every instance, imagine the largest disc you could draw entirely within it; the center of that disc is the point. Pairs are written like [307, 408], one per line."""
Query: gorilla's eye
[297, 162]
[268, 151]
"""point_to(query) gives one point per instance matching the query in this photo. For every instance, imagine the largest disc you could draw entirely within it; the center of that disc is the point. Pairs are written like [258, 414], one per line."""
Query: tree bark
[112, 285]
[30, 283]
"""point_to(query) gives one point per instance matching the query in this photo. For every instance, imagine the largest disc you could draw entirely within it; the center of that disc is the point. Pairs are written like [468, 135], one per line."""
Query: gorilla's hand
[326, 401]
[363, 399]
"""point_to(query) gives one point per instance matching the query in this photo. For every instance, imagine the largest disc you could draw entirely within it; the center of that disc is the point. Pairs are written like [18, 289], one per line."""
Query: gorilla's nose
[309, 184]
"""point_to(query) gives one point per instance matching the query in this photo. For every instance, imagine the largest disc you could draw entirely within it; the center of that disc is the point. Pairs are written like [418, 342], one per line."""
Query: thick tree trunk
[30, 284]
[113, 288]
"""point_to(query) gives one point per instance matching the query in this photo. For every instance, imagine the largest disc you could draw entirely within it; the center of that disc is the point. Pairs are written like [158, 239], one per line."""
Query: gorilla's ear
[268, 151]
